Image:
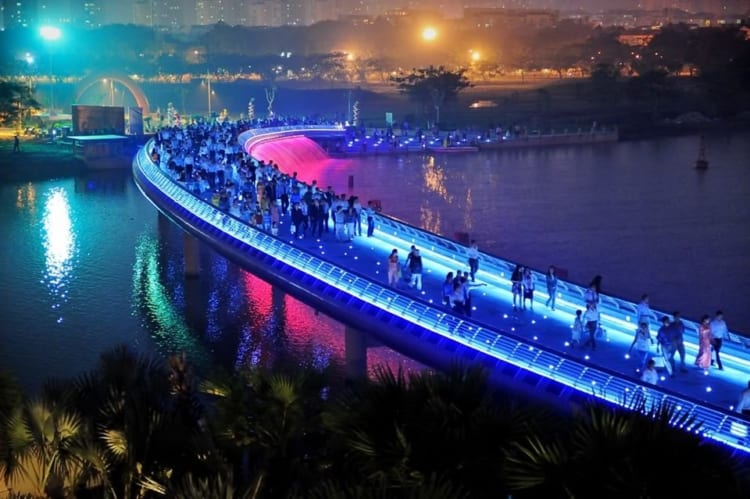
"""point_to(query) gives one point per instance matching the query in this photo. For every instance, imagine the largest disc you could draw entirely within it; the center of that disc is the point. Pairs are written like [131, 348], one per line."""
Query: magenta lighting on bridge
[498, 342]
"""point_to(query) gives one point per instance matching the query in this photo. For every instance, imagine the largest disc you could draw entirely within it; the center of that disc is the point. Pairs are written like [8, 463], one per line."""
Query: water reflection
[26, 198]
[231, 318]
[434, 179]
[59, 241]
[167, 324]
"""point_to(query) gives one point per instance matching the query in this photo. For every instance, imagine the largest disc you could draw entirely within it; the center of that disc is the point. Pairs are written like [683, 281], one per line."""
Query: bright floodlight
[50, 33]
[429, 33]
[475, 56]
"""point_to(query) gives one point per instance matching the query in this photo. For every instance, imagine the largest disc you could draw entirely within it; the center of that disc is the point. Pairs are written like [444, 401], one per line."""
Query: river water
[87, 265]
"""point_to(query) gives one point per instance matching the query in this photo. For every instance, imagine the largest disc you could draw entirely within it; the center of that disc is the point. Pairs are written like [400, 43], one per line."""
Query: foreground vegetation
[136, 427]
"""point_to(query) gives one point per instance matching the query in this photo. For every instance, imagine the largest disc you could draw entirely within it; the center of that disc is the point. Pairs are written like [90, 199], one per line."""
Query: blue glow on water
[716, 424]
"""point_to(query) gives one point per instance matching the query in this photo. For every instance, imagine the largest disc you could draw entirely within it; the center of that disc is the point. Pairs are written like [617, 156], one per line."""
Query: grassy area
[37, 158]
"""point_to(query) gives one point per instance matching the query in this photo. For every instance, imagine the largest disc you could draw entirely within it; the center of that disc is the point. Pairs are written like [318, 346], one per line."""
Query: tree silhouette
[432, 85]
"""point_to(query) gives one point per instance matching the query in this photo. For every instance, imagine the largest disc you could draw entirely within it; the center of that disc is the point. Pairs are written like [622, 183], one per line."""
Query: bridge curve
[416, 326]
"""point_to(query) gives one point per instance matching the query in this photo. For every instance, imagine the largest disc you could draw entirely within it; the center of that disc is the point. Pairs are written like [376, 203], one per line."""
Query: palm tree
[46, 452]
[270, 420]
[145, 416]
[398, 430]
[613, 452]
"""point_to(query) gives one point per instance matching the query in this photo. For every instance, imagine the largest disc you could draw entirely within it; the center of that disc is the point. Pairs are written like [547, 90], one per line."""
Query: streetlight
[429, 34]
[209, 92]
[51, 34]
[111, 90]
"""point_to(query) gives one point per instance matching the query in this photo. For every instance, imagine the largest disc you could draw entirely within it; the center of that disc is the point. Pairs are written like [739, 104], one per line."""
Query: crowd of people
[209, 161]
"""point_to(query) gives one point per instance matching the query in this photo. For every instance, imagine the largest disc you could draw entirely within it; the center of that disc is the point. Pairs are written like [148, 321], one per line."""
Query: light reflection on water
[59, 241]
[637, 213]
[94, 244]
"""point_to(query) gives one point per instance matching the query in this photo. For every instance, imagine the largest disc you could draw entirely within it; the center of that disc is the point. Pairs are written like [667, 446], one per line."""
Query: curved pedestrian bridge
[348, 281]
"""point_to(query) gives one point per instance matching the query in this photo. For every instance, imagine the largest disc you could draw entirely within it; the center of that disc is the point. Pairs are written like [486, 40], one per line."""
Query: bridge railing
[610, 307]
[720, 425]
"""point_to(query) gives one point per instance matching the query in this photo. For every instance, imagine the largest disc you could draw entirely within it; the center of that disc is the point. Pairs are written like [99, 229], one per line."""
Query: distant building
[636, 38]
[19, 13]
[494, 18]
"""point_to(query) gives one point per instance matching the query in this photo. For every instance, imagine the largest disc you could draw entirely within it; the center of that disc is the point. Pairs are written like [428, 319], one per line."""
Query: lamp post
[208, 85]
[51, 34]
[111, 90]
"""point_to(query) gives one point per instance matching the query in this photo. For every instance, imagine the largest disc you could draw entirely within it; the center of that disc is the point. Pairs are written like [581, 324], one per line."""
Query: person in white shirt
[719, 331]
[473, 254]
[643, 312]
[649, 374]
[743, 406]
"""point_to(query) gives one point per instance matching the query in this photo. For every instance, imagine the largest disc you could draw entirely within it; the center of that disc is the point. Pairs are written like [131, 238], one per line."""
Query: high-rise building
[214, 11]
[19, 13]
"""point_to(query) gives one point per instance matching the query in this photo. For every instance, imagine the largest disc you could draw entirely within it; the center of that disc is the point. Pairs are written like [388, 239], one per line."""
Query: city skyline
[176, 15]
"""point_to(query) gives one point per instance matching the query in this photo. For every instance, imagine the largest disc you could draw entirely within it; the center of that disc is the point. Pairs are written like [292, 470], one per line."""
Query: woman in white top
[642, 343]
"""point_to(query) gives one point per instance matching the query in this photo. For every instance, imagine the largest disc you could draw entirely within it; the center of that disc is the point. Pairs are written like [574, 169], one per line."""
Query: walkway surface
[493, 308]
[547, 329]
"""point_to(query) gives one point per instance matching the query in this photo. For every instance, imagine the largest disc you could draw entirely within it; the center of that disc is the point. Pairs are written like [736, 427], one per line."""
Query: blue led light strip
[715, 424]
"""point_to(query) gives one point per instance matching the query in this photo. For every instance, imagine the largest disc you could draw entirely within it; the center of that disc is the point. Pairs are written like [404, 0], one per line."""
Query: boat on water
[701, 163]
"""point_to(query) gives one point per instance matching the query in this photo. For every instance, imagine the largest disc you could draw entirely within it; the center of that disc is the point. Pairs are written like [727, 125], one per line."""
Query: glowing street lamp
[429, 34]
[111, 90]
[475, 56]
[51, 34]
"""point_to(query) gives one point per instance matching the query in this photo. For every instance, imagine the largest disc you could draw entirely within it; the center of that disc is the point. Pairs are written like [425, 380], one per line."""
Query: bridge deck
[548, 329]
[541, 328]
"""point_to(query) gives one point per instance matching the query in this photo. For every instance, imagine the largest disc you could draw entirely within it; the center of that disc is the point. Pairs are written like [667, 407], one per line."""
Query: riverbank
[36, 159]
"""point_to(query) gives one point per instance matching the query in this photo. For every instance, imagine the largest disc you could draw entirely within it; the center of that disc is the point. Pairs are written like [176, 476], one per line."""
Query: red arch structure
[122, 79]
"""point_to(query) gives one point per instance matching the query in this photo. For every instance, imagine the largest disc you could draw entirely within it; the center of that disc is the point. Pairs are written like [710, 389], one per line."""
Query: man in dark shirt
[664, 338]
[677, 333]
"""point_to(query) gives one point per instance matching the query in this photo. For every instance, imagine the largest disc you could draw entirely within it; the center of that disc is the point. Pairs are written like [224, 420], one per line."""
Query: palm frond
[116, 442]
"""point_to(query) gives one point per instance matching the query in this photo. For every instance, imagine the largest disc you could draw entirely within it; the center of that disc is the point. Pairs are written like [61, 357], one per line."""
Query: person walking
[643, 311]
[642, 342]
[551, 280]
[415, 268]
[473, 254]
[516, 286]
[719, 331]
[370, 212]
[743, 405]
[394, 270]
[528, 289]
[576, 332]
[677, 333]
[703, 359]
[665, 343]
[16, 143]
[591, 321]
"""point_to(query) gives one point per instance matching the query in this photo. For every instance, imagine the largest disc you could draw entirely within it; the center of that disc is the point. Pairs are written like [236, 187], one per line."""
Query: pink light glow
[307, 158]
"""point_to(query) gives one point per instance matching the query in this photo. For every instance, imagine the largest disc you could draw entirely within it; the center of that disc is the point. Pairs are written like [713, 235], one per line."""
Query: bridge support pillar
[356, 353]
[192, 255]
[164, 224]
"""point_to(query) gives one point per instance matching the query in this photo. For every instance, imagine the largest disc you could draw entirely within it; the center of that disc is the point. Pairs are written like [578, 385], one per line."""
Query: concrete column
[356, 353]
[192, 255]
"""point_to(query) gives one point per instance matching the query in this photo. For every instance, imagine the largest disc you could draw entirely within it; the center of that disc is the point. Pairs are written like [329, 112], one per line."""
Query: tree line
[349, 52]
[136, 427]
